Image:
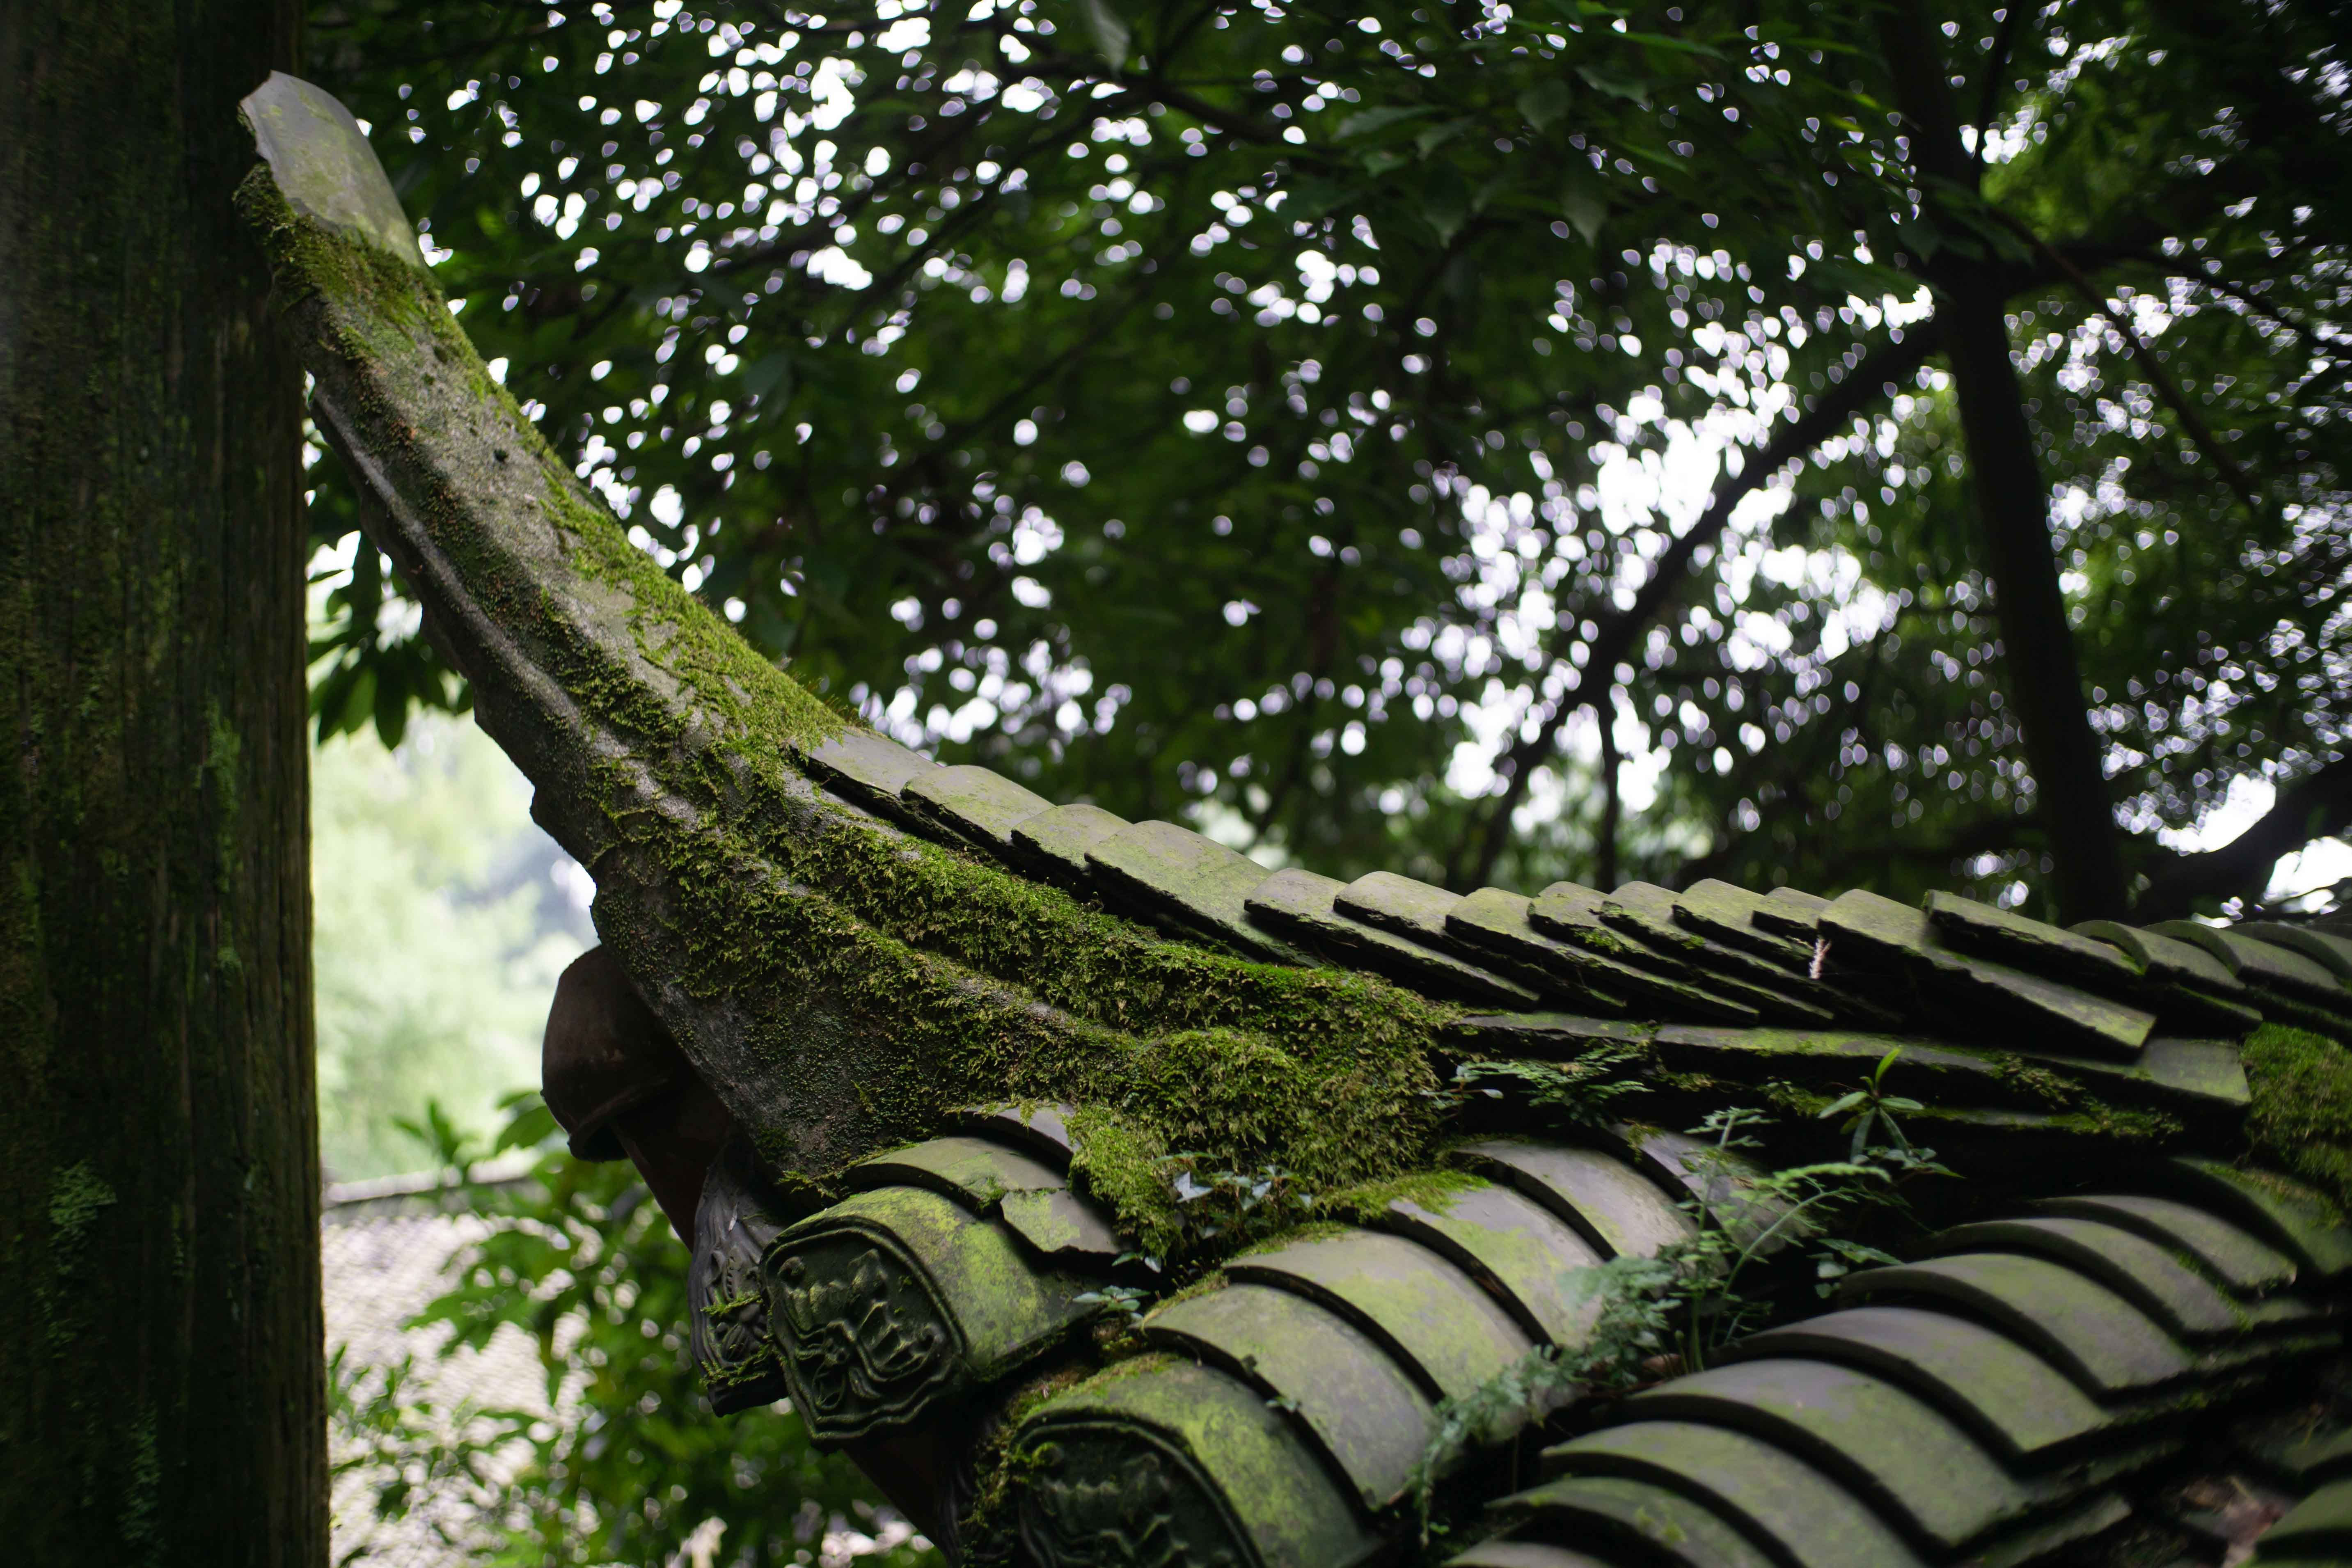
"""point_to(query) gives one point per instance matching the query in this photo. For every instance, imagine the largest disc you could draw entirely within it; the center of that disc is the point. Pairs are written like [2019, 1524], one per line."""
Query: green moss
[1320, 1230]
[384, 296]
[1348, 1108]
[1102, 1378]
[224, 751]
[1432, 1190]
[2300, 1016]
[142, 1502]
[763, 713]
[2301, 1112]
[1691, 1082]
[997, 1469]
[2116, 1124]
[856, 969]
[2087, 1117]
[75, 1200]
[1210, 1281]
[2038, 1085]
[77, 1197]
[1118, 1164]
[1792, 1100]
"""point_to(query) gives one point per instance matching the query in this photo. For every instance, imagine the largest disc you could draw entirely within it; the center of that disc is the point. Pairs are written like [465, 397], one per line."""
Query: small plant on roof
[1672, 1312]
[1745, 1216]
[1871, 1107]
[1581, 1092]
[1237, 1205]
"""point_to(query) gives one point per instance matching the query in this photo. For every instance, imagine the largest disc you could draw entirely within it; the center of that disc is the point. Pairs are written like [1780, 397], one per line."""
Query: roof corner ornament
[324, 167]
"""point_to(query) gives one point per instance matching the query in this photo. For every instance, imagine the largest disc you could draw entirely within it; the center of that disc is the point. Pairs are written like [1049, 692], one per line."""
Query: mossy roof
[849, 940]
[851, 943]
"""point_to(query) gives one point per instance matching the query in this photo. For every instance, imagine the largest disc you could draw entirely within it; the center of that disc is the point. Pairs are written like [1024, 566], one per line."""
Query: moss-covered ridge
[841, 982]
[2302, 1110]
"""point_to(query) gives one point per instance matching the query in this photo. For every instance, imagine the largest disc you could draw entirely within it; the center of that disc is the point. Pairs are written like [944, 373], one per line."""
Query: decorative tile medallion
[727, 1306]
[1113, 1497]
[864, 1340]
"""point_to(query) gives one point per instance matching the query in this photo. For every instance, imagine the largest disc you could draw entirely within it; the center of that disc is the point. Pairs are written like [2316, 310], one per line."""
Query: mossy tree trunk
[161, 1393]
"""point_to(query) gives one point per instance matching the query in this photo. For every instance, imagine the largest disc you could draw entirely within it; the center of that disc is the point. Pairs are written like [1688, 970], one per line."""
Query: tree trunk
[2045, 683]
[1613, 809]
[161, 1391]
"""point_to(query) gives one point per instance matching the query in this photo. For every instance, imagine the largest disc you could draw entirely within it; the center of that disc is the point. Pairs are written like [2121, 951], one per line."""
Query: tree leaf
[765, 374]
[530, 1126]
[1311, 196]
[1601, 78]
[858, 508]
[1545, 102]
[1445, 207]
[1365, 121]
[1920, 239]
[1110, 31]
[1585, 213]
[1667, 41]
[1436, 136]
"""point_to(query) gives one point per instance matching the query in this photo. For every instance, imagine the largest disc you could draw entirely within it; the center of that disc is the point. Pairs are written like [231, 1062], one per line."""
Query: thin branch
[2318, 805]
[1046, 141]
[1995, 68]
[1615, 637]
[2254, 303]
[2193, 422]
[1207, 113]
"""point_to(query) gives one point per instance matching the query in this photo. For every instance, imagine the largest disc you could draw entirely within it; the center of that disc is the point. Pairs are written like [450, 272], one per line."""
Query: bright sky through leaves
[1271, 426]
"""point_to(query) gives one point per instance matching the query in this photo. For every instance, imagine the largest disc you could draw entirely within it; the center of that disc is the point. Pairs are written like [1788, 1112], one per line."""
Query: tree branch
[2194, 422]
[1996, 66]
[2012, 500]
[1613, 809]
[2318, 805]
[1615, 637]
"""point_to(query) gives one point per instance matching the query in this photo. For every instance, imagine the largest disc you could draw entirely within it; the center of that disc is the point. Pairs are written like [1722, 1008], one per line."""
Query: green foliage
[1583, 1092]
[1661, 1315]
[440, 1462]
[1368, 1205]
[633, 1463]
[1209, 1212]
[2301, 1110]
[1207, 409]
[1234, 1206]
[1869, 1108]
[438, 933]
[1745, 1216]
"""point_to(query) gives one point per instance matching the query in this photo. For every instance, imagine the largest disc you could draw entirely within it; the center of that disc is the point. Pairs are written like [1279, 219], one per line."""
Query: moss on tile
[2301, 1115]
[934, 977]
[1432, 1190]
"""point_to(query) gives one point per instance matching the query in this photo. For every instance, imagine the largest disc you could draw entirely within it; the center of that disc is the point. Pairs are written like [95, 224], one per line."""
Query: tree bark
[2012, 500]
[1604, 868]
[161, 1385]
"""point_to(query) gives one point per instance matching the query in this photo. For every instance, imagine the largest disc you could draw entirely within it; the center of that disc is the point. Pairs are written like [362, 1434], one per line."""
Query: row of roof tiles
[2002, 1399]
[1711, 953]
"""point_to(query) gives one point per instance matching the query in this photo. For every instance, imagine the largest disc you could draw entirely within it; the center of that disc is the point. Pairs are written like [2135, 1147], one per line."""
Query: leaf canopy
[1301, 417]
